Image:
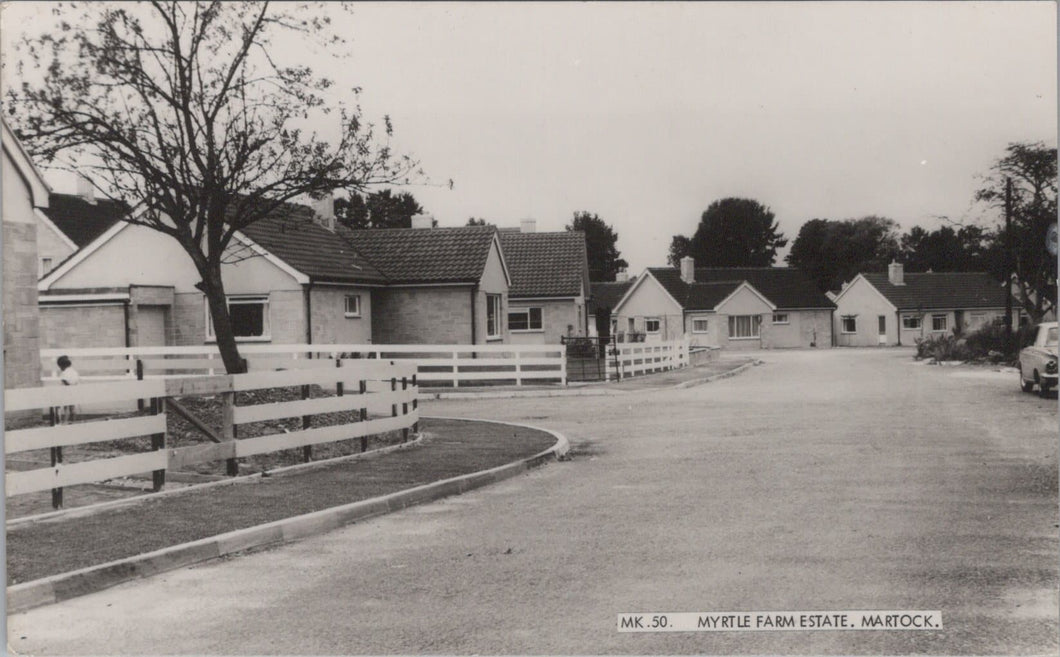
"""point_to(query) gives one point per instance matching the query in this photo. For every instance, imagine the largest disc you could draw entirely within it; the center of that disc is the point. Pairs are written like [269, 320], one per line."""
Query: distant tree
[380, 209]
[680, 246]
[472, 221]
[1032, 169]
[600, 240]
[733, 232]
[831, 252]
[969, 248]
[191, 113]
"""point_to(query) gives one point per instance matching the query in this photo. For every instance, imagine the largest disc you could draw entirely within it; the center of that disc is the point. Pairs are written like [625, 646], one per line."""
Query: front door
[882, 330]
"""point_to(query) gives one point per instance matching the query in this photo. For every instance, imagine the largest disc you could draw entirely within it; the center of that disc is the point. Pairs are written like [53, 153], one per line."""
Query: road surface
[821, 480]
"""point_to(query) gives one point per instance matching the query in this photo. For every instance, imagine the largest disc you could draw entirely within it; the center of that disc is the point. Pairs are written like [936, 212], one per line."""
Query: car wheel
[1025, 385]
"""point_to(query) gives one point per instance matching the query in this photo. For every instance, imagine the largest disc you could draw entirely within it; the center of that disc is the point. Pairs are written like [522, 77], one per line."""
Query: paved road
[844, 479]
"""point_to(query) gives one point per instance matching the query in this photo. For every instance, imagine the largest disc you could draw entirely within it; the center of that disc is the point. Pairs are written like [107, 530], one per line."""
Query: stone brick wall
[69, 327]
[287, 316]
[425, 315]
[21, 316]
[188, 319]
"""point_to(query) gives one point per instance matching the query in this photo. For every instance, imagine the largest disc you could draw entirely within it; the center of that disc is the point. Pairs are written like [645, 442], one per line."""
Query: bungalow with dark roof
[72, 221]
[896, 308]
[550, 284]
[295, 277]
[736, 308]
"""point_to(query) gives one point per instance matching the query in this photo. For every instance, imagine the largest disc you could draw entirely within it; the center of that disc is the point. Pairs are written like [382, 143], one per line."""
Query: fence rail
[382, 395]
[438, 365]
[637, 358]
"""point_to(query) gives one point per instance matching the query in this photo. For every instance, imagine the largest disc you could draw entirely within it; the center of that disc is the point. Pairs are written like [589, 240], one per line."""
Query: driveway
[821, 480]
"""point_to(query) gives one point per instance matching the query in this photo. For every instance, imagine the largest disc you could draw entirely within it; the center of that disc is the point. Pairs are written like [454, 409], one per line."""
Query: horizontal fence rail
[437, 365]
[379, 396]
[638, 358]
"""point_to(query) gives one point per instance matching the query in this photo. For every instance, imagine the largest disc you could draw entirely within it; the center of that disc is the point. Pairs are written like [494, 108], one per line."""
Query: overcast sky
[646, 113]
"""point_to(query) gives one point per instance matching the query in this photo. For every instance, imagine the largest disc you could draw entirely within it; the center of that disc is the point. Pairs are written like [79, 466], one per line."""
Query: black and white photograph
[530, 328]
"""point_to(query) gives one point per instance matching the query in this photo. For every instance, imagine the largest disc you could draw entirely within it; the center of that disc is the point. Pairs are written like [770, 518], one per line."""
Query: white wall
[865, 301]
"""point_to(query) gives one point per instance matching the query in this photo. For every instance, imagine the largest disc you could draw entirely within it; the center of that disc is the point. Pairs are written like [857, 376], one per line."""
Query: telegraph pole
[1009, 336]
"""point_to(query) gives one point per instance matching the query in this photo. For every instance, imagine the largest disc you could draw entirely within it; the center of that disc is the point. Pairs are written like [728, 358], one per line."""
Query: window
[911, 321]
[250, 318]
[524, 319]
[699, 325]
[743, 327]
[632, 325]
[977, 319]
[651, 324]
[493, 316]
[850, 324]
[938, 323]
[45, 266]
[353, 305]
[780, 318]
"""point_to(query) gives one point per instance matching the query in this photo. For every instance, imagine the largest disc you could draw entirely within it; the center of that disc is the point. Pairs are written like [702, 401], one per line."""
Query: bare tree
[185, 111]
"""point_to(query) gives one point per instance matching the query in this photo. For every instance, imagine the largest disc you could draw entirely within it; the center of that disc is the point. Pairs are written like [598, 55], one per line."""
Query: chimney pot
[85, 189]
[528, 225]
[688, 269]
[422, 221]
[896, 273]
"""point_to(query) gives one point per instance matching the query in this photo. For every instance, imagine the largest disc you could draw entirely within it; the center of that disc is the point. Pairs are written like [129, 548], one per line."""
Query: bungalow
[25, 194]
[897, 308]
[738, 308]
[72, 221]
[550, 284]
[292, 278]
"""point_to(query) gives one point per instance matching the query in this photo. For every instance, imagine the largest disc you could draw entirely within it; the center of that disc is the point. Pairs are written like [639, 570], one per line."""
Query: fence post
[228, 429]
[158, 442]
[563, 366]
[307, 450]
[56, 458]
[405, 409]
[140, 377]
[364, 413]
[518, 367]
[415, 404]
[456, 369]
[339, 386]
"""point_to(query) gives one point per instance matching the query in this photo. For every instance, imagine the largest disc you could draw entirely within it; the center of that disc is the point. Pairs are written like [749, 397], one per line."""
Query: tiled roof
[549, 264]
[697, 296]
[426, 255]
[312, 249]
[941, 290]
[786, 287]
[606, 295]
[80, 220]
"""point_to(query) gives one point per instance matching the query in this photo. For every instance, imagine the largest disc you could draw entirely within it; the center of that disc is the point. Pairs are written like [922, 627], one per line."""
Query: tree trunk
[213, 287]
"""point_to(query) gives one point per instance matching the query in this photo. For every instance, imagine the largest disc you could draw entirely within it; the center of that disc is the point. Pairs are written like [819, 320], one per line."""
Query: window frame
[906, 319]
[945, 322]
[658, 325]
[843, 324]
[346, 312]
[528, 311]
[706, 329]
[755, 327]
[786, 320]
[244, 299]
[494, 313]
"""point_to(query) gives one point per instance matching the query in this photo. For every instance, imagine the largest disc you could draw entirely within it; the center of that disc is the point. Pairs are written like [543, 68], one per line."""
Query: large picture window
[250, 318]
[743, 327]
[493, 315]
[911, 321]
[524, 319]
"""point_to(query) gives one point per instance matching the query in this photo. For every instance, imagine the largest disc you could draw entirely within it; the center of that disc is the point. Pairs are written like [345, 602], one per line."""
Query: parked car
[1038, 361]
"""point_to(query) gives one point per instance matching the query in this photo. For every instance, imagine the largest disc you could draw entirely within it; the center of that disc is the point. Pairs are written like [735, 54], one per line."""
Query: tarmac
[55, 588]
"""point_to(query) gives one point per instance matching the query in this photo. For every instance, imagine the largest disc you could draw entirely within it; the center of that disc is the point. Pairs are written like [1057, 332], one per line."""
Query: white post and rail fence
[452, 366]
[377, 396]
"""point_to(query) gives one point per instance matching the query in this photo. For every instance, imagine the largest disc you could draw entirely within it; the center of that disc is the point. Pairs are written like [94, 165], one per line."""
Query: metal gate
[587, 358]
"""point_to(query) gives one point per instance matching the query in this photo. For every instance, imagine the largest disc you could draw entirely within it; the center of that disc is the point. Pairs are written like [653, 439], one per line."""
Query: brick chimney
[688, 269]
[324, 211]
[621, 276]
[422, 221]
[896, 273]
[528, 226]
[85, 189]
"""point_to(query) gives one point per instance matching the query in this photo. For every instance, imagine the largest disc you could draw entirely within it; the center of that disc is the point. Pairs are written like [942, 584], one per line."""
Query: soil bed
[449, 448]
